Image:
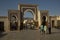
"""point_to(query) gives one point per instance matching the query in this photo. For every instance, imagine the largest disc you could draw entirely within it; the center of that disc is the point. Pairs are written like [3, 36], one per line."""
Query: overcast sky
[52, 5]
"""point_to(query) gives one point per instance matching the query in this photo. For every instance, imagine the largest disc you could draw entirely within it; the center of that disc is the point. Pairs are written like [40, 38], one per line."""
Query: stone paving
[30, 35]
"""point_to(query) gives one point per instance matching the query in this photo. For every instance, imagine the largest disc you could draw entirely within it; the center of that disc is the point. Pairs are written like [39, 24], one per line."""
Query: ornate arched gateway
[16, 16]
[27, 8]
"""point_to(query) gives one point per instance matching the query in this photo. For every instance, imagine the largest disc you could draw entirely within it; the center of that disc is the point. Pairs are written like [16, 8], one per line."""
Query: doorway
[2, 26]
[27, 20]
[52, 23]
[13, 26]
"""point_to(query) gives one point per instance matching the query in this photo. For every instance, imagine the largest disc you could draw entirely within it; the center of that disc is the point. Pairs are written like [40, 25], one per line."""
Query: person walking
[41, 29]
[49, 28]
[45, 29]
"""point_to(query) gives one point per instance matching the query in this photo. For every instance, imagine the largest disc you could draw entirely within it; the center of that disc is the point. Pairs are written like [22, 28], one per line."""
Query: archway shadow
[2, 34]
[53, 33]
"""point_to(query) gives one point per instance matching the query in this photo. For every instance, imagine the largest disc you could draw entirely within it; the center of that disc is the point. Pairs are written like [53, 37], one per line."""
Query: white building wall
[58, 17]
[6, 24]
[39, 17]
[55, 18]
[18, 7]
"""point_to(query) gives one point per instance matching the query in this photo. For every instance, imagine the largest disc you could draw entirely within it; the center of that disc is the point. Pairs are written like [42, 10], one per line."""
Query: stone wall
[6, 23]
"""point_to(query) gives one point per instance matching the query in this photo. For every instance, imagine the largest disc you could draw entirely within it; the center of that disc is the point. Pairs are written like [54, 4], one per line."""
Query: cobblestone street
[30, 35]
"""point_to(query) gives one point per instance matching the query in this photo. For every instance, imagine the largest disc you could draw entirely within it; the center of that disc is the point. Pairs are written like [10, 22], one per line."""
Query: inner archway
[28, 15]
[13, 23]
[28, 20]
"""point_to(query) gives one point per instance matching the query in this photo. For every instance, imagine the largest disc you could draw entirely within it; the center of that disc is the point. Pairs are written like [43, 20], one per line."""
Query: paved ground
[30, 35]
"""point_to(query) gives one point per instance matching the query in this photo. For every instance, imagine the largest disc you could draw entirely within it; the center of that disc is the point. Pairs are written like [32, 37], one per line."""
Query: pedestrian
[41, 29]
[49, 28]
[45, 29]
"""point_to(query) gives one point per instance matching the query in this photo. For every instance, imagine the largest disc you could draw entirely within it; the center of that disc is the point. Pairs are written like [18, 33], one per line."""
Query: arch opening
[28, 19]
[13, 23]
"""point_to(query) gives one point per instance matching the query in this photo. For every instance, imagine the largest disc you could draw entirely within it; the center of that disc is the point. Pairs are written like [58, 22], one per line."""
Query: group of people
[45, 28]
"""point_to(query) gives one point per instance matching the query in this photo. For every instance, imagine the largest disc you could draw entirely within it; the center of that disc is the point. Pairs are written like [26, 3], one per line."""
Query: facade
[14, 20]
[55, 21]
[4, 23]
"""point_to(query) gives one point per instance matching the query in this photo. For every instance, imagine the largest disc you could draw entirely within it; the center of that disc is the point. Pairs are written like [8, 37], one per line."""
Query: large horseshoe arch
[28, 7]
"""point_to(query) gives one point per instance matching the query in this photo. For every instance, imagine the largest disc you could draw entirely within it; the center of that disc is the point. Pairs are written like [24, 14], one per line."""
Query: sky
[53, 6]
